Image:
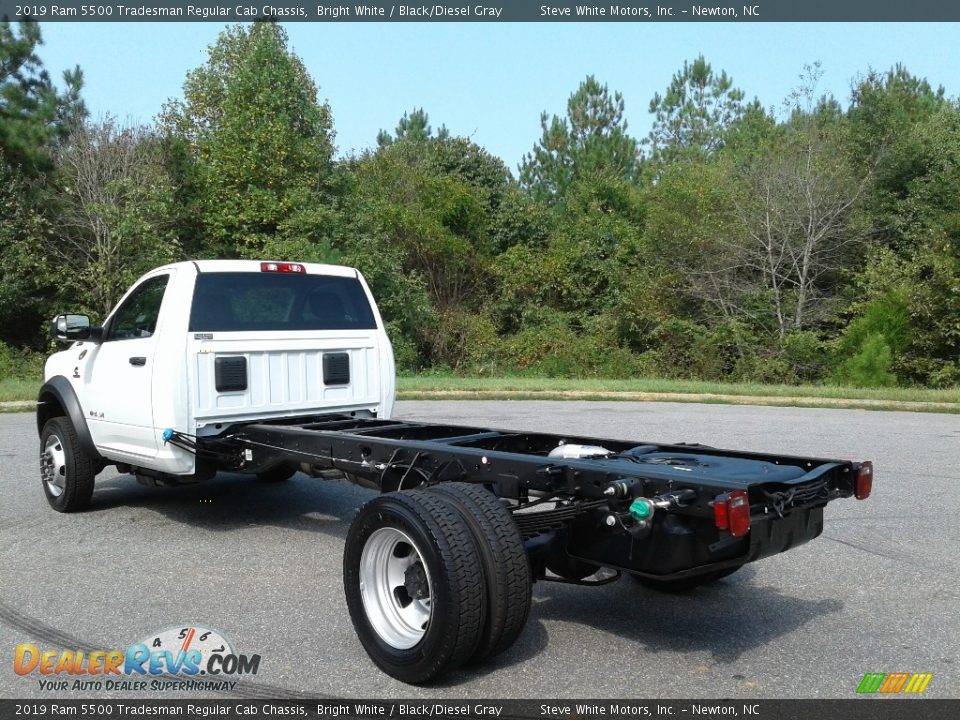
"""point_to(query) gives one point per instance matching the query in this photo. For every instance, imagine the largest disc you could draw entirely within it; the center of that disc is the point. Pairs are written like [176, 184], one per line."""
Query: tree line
[815, 241]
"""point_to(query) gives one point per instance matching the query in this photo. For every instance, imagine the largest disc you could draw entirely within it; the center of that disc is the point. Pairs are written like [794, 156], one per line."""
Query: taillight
[282, 267]
[863, 485]
[720, 514]
[738, 513]
[731, 512]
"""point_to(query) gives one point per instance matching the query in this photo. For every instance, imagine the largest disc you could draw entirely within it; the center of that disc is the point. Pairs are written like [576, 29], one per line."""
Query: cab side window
[137, 317]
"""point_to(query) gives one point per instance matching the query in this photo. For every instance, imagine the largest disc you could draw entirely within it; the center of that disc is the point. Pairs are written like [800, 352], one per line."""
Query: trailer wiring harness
[781, 502]
[214, 449]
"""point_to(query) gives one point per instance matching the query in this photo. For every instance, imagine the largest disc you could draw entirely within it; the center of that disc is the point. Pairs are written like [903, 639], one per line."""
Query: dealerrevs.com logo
[176, 659]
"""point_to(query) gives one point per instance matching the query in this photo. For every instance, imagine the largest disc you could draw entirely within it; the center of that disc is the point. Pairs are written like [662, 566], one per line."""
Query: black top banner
[632, 11]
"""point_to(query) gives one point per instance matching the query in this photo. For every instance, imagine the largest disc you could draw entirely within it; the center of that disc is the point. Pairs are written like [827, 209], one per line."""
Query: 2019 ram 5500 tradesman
[272, 367]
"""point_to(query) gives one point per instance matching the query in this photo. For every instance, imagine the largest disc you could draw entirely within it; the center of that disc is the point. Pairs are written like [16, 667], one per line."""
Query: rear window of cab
[250, 301]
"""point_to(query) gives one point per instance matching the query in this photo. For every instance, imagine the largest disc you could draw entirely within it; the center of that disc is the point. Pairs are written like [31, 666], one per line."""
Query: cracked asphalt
[878, 592]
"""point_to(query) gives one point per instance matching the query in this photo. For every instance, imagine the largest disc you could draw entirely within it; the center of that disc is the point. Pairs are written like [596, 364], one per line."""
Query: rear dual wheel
[433, 580]
[503, 562]
[412, 589]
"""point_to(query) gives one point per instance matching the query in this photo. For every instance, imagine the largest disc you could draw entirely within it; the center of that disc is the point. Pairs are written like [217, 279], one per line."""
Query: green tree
[591, 141]
[884, 106]
[414, 126]
[34, 121]
[27, 276]
[691, 230]
[513, 217]
[262, 146]
[889, 122]
[905, 294]
[33, 114]
[116, 218]
[420, 214]
[691, 117]
[586, 269]
[907, 313]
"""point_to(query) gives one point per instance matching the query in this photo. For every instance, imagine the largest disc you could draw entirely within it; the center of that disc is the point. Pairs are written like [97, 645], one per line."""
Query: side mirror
[67, 328]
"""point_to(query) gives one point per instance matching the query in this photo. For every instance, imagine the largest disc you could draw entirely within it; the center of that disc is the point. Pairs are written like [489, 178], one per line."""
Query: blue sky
[491, 81]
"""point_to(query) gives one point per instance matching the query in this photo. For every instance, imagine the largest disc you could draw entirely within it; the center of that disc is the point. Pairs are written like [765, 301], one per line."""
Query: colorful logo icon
[893, 683]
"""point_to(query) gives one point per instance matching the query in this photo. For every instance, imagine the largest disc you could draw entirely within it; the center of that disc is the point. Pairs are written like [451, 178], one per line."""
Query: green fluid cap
[641, 509]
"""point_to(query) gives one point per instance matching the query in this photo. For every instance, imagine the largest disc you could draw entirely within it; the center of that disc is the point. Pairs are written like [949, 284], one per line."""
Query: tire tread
[459, 551]
[509, 592]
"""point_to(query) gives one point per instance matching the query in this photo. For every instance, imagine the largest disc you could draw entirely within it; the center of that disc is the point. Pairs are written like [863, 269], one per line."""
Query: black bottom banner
[854, 709]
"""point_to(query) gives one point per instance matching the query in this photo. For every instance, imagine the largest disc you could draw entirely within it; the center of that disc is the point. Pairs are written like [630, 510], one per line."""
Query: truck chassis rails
[581, 508]
[438, 567]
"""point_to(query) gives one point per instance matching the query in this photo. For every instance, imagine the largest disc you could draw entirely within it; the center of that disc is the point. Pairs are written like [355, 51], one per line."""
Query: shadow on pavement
[230, 502]
[727, 618]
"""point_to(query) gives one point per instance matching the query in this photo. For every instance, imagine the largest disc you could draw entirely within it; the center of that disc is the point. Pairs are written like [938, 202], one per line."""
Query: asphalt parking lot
[878, 592]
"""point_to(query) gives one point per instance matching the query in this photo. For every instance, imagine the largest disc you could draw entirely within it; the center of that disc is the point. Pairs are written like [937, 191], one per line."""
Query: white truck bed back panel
[284, 380]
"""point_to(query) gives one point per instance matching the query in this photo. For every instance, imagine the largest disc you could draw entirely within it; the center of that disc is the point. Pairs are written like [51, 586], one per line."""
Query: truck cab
[196, 347]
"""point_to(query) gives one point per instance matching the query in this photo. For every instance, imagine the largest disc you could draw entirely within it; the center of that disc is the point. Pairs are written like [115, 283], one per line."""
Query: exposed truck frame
[545, 506]
[267, 368]
[595, 493]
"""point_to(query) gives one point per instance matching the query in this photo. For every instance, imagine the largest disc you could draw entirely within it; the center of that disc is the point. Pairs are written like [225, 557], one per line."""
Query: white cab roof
[254, 266]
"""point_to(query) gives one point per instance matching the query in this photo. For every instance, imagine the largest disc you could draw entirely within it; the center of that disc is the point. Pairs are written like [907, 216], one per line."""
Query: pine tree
[33, 115]
[591, 141]
[697, 109]
[413, 126]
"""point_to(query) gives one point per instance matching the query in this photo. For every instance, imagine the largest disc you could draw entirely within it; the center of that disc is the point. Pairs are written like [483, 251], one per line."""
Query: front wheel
[66, 470]
[415, 596]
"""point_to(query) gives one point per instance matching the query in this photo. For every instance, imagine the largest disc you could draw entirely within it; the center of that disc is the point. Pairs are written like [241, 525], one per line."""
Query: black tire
[67, 472]
[278, 473]
[685, 584]
[503, 560]
[446, 553]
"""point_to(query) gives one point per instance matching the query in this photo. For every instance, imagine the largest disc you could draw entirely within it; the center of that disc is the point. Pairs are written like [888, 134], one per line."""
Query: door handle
[138, 361]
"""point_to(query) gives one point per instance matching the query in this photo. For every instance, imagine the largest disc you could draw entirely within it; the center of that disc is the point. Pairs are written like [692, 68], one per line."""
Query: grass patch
[429, 386]
[12, 389]
[414, 387]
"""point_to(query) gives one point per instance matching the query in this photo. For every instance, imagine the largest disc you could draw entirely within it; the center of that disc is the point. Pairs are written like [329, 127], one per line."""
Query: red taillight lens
[731, 512]
[863, 485]
[720, 513]
[282, 267]
[738, 513]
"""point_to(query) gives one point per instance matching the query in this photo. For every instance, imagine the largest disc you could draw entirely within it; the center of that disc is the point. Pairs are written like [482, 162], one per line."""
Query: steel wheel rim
[391, 585]
[53, 466]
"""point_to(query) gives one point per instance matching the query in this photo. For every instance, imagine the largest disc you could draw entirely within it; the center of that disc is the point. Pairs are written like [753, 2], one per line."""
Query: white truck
[268, 368]
[200, 345]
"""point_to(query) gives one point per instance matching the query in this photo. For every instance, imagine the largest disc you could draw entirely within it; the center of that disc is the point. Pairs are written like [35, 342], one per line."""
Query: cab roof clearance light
[282, 267]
